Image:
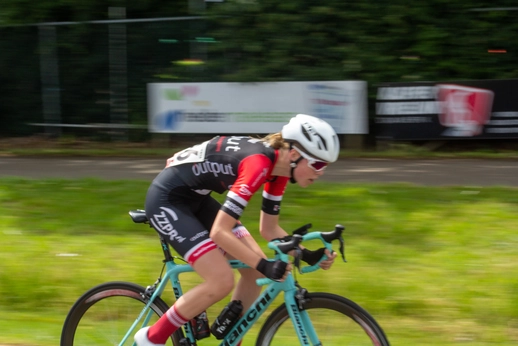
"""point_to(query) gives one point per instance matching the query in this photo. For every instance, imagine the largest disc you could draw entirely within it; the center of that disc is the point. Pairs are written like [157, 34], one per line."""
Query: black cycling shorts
[182, 216]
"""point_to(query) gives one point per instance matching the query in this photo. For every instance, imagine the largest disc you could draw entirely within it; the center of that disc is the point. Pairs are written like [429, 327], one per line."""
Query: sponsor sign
[464, 110]
[228, 108]
[453, 110]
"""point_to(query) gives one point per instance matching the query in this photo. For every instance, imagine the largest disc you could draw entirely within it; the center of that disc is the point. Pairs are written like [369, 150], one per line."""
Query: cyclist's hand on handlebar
[276, 270]
[327, 263]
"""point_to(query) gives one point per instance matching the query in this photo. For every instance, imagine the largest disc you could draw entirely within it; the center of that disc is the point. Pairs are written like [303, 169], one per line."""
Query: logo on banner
[168, 120]
[464, 110]
[175, 94]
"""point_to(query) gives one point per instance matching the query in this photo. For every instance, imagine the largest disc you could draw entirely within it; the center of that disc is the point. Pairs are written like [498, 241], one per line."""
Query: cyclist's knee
[224, 285]
[214, 269]
[221, 283]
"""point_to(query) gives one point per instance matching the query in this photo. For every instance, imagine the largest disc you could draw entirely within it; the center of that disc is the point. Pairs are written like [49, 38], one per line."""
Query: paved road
[462, 172]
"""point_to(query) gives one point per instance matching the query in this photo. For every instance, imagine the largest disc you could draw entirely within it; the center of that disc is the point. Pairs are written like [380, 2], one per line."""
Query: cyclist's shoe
[142, 340]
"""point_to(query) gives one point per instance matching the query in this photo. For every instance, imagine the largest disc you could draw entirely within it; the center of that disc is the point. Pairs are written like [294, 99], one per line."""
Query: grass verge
[432, 265]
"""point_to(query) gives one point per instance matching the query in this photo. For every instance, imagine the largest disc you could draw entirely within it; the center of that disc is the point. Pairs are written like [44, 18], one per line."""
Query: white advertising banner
[255, 107]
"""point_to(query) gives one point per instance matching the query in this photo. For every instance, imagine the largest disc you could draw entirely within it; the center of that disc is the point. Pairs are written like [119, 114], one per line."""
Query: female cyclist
[207, 233]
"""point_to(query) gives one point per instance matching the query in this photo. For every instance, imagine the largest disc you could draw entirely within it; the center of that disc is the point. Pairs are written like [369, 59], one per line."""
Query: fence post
[49, 74]
[118, 72]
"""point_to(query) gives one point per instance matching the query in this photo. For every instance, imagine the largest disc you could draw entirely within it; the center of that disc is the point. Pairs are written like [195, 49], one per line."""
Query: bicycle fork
[295, 300]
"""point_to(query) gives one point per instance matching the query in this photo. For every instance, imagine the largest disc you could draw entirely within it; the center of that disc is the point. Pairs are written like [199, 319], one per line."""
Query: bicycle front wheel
[105, 313]
[337, 321]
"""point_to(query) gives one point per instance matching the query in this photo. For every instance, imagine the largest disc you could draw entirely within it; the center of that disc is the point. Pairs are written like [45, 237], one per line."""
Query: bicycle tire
[337, 321]
[104, 314]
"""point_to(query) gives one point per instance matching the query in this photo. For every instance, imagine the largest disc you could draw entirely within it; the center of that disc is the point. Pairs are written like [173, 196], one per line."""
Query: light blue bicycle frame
[300, 319]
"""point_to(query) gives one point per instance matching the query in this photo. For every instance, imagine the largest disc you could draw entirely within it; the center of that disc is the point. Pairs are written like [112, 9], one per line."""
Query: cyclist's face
[305, 174]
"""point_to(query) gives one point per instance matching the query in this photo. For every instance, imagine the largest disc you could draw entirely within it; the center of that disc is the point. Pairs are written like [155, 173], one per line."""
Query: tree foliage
[374, 41]
[253, 40]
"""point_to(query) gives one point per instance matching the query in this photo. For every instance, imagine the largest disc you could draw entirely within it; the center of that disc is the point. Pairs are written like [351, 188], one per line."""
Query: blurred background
[84, 66]
[433, 264]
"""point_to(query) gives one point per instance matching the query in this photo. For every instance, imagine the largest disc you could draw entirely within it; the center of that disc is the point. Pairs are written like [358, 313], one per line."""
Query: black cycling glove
[272, 270]
[312, 257]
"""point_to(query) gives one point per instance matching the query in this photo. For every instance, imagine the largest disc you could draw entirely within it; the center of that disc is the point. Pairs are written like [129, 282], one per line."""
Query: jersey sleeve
[252, 174]
[272, 195]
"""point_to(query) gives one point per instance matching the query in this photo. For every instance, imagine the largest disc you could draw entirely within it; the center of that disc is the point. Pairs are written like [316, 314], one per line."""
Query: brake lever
[297, 257]
[303, 230]
[342, 248]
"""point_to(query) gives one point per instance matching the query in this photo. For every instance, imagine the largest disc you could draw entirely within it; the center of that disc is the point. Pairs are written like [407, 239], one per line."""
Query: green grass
[434, 265]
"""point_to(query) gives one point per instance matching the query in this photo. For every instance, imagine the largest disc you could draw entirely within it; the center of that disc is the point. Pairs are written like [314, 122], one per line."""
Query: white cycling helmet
[313, 135]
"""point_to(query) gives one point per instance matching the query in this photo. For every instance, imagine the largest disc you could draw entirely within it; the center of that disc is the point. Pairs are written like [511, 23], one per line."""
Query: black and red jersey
[238, 164]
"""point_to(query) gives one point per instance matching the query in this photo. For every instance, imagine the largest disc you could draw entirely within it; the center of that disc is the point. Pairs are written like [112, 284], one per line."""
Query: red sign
[464, 110]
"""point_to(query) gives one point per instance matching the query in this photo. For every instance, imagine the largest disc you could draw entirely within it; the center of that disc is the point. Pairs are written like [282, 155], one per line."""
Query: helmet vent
[305, 133]
[322, 142]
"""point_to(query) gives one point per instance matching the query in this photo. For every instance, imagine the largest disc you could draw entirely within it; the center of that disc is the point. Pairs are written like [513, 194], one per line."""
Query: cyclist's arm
[221, 234]
[269, 218]
[269, 227]
[251, 175]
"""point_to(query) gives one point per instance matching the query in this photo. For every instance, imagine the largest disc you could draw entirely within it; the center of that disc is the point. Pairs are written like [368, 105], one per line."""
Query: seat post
[165, 248]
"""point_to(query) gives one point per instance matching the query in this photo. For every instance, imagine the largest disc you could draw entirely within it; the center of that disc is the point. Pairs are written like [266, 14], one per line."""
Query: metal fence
[63, 78]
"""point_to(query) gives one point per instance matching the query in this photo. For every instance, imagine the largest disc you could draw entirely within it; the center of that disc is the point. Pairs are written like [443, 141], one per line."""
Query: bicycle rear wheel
[105, 313]
[337, 321]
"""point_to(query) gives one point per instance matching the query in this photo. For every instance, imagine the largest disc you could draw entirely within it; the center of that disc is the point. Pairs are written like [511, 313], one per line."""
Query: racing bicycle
[111, 313]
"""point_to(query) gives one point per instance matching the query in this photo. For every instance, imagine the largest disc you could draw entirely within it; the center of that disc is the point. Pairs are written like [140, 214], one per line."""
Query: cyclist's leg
[172, 216]
[218, 283]
[246, 289]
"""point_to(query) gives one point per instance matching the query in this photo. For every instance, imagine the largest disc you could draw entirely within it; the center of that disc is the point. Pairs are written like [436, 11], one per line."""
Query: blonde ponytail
[275, 141]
